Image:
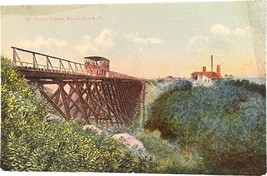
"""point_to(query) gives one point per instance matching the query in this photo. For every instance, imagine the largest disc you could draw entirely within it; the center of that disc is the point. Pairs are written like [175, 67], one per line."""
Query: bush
[28, 143]
[224, 123]
[68, 148]
[167, 156]
[172, 84]
[249, 86]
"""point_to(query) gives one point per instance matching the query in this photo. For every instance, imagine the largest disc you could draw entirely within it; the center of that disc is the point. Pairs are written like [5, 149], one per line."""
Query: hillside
[224, 124]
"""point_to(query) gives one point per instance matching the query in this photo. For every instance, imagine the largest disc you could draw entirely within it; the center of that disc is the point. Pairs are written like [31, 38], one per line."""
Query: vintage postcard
[166, 88]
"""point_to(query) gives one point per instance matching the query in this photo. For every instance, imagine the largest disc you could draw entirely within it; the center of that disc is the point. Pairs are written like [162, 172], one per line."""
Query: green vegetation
[249, 86]
[168, 157]
[210, 130]
[28, 143]
[224, 124]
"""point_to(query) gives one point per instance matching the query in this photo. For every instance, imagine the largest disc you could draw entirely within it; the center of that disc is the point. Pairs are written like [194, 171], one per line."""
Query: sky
[145, 40]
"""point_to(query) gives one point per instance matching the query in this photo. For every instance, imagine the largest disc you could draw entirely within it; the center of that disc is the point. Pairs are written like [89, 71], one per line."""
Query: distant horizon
[222, 76]
[237, 76]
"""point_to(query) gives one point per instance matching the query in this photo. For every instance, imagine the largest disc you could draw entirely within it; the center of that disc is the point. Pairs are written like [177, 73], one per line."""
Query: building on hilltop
[206, 78]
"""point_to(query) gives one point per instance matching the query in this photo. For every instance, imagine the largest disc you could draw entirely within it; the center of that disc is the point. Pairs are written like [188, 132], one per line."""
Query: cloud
[142, 41]
[222, 38]
[241, 32]
[198, 42]
[198, 39]
[103, 41]
[87, 42]
[220, 29]
[105, 38]
[40, 41]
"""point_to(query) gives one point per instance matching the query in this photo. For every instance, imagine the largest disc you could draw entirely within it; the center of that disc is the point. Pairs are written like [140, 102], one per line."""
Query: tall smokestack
[211, 63]
[219, 71]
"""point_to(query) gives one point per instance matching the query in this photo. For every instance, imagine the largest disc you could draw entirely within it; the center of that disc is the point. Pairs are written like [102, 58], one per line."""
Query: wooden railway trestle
[110, 101]
[100, 100]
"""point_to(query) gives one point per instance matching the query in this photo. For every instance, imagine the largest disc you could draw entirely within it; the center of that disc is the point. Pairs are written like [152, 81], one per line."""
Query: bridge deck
[34, 73]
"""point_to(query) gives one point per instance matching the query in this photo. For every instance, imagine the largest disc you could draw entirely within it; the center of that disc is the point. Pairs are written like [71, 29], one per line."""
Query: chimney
[218, 71]
[204, 69]
[211, 62]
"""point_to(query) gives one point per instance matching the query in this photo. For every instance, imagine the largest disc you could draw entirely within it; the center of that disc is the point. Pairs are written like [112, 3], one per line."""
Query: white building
[205, 78]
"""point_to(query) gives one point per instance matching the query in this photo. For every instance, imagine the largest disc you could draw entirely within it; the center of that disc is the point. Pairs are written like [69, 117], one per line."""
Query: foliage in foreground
[168, 158]
[224, 124]
[30, 144]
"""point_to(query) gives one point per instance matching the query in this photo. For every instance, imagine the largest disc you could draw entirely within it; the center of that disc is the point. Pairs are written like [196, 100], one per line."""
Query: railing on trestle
[62, 65]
